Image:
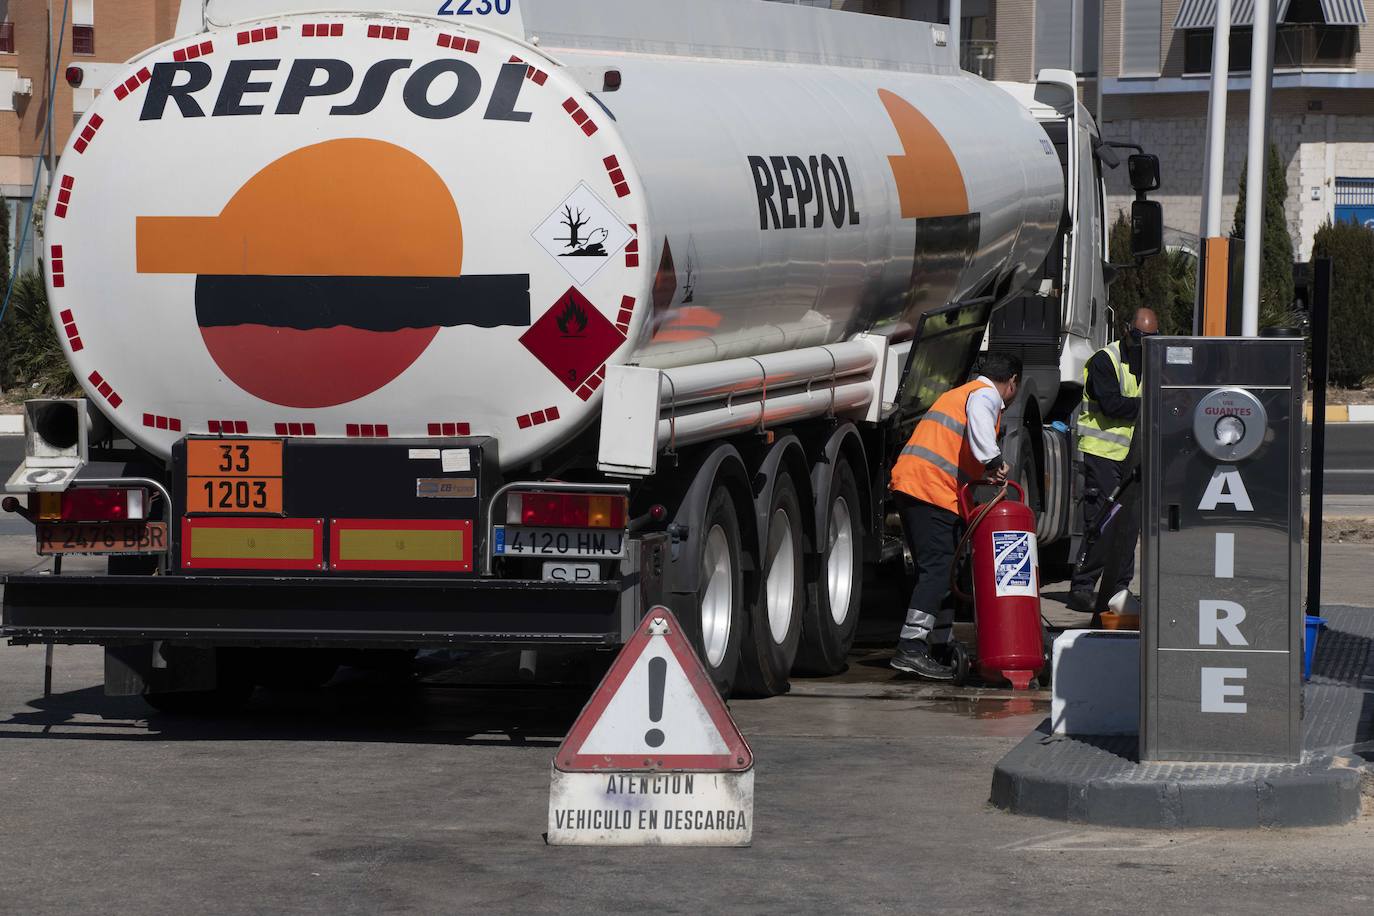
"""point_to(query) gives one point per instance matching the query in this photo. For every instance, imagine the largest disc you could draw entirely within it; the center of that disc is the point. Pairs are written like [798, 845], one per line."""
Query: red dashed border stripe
[532, 73]
[69, 326]
[632, 249]
[191, 52]
[627, 311]
[154, 421]
[579, 116]
[227, 427]
[88, 133]
[56, 265]
[591, 384]
[389, 32]
[322, 30]
[367, 430]
[537, 418]
[132, 83]
[105, 390]
[450, 429]
[622, 187]
[457, 43]
[253, 36]
[295, 429]
[64, 196]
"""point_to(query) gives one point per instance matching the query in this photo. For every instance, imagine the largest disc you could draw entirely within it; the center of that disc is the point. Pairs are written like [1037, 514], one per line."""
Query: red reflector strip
[88, 133]
[129, 85]
[57, 267]
[622, 187]
[252, 543]
[254, 36]
[388, 32]
[367, 430]
[579, 116]
[450, 429]
[194, 51]
[632, 255]
[322, 30]
[153, 421]
[400, 544]
[295, 429]
[64, 196]
[535, 75]
[627, 311]
[457, 43]
[105, 390]
[227, 427]
[537, 418]
[68, 321]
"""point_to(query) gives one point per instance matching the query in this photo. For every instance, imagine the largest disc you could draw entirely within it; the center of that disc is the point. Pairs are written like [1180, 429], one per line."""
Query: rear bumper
[312, 612]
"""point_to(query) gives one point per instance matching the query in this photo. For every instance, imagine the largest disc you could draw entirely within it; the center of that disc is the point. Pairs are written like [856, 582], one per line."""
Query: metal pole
[1216, 122]
[956, 12]
[1321, 358]
[1260, 68]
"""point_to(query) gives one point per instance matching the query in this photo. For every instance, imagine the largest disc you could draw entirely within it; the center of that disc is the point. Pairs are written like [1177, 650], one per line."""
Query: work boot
[919, 663]
[1084, 601]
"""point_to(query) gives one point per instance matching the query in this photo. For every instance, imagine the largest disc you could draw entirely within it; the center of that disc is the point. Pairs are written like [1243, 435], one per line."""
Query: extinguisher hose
[973, 524]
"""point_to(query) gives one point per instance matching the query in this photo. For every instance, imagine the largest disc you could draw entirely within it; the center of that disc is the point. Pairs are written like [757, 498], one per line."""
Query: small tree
[4, 240]
[30, 351]
[1350, 247]
[1164, 282]
[1276, 249]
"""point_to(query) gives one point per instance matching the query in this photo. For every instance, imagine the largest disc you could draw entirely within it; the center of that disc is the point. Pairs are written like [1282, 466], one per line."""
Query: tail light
[74, 77]
[118, 505]
[566, 510]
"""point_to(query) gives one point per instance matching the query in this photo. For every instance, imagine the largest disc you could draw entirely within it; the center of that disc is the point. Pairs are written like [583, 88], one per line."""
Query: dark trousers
[932, 534]
[1101, 477]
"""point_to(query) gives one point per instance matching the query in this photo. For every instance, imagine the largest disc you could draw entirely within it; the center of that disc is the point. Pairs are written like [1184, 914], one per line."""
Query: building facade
[97, 37]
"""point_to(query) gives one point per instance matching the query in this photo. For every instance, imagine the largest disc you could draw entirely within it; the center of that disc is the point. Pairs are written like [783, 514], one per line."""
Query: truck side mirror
[1144, 172]
[1147, 228]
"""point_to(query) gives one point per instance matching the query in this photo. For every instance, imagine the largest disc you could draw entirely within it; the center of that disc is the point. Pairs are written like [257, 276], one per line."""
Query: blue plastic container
[1309, 643]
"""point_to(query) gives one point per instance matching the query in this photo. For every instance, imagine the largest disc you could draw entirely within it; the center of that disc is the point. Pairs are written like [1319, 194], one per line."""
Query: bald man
[1106, 425]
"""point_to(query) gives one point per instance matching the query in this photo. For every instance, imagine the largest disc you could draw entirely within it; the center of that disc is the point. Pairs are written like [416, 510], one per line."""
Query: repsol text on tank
[797, 193]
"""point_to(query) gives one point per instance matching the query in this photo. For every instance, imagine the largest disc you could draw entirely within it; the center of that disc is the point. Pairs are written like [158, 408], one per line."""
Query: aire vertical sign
[1221, 631]
[654, 758]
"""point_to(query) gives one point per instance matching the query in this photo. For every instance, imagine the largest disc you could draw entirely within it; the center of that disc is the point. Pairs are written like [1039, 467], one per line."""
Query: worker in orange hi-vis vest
[955, 442]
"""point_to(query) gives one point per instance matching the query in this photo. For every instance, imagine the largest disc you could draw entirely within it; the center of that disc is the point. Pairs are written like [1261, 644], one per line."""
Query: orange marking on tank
[929, 180]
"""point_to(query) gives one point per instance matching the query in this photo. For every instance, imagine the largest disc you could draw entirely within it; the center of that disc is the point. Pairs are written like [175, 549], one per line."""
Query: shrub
[1276, 249]
[1165, 283]
[30, 353]
[1350, 247]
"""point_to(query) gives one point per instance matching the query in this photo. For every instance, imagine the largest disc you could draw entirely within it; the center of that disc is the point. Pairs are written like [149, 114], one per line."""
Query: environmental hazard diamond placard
[572, 339]
[582, 234]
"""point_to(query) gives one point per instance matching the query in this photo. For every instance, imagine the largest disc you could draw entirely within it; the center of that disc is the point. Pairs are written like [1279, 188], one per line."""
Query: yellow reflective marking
[416, 545]
[252, 543]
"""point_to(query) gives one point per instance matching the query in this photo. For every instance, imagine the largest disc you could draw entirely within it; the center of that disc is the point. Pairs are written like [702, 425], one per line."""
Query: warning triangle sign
[656, 709]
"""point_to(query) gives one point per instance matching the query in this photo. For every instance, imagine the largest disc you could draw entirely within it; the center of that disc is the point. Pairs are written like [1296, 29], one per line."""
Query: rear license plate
[234, 477]
[558, 542]
[103, 537]
[572, 572]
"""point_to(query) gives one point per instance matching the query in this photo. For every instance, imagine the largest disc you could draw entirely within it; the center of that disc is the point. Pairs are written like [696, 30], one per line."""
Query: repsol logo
[790, 187]
[436, 89]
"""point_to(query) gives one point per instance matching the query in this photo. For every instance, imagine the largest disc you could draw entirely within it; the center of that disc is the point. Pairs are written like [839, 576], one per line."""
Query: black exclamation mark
[658, 671]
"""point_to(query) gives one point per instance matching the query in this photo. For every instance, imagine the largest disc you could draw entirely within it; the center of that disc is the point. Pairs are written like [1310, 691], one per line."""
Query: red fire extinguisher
[1006, 586]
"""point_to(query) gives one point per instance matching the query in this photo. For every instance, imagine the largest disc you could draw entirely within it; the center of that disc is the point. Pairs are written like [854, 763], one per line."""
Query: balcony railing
[978, 57]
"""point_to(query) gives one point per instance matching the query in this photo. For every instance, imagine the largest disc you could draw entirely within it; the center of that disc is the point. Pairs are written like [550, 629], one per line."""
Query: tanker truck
[497, 322]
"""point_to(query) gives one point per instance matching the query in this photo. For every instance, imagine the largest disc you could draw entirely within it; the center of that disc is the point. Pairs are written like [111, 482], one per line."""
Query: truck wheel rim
[781, 587]
[840, 560]
[717, 598]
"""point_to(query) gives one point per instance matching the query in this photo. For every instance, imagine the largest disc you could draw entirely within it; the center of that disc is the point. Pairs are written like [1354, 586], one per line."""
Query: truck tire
[233, 688]
[832, 611]
[716, 622]
[770, 642]
[293, 669]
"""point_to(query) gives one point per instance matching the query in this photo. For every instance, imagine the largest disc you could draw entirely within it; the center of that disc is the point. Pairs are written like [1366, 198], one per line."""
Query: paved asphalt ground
[373, 797]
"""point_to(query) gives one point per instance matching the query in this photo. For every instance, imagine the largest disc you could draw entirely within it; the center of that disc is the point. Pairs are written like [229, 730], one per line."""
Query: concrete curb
[1342, 413]
[1097, 781]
